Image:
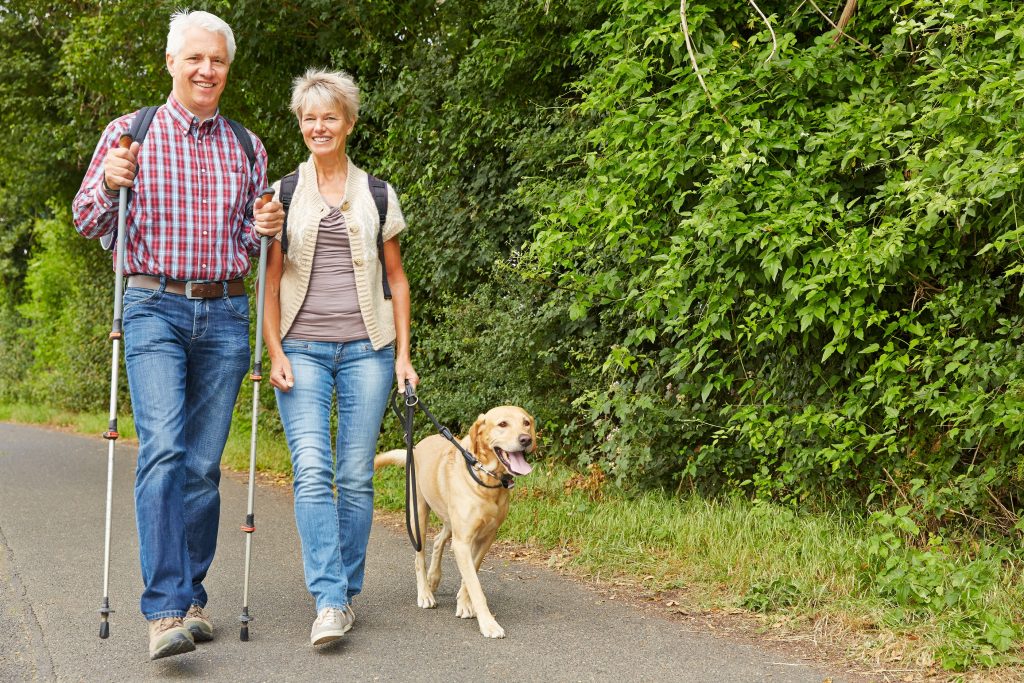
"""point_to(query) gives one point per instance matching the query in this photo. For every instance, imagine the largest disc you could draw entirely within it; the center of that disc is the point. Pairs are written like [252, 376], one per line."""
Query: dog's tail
[395, 457]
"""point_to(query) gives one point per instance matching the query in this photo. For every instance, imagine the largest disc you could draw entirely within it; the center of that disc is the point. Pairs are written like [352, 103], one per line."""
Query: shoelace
[331, 616]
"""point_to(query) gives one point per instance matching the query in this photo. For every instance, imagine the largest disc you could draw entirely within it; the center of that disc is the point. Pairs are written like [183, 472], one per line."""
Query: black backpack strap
[140, 126]
[288, 184]
[379, 190]
[138, 129]
[244, 140]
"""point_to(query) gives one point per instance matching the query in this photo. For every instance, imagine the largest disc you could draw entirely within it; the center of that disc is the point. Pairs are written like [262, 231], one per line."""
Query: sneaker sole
[178, 646]
[330, 636]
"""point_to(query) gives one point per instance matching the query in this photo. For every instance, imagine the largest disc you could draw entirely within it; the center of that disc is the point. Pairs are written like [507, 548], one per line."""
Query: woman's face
[324, 130]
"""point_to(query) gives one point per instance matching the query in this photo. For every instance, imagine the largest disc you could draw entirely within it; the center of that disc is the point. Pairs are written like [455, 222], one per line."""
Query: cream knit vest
[306, 211]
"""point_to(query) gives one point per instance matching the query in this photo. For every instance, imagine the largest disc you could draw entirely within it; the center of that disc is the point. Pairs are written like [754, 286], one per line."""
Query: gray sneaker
[168, 637]
[330, 625]
[198, 624]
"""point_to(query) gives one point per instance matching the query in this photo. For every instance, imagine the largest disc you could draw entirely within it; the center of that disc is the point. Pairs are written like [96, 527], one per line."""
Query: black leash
[412, 514]
[472, 464]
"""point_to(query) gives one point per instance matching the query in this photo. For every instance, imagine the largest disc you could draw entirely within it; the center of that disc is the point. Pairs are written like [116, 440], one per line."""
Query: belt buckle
[188, 290]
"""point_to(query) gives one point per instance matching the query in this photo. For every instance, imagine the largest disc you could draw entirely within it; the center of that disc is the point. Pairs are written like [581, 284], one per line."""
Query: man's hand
[119, 167]
[269, 216]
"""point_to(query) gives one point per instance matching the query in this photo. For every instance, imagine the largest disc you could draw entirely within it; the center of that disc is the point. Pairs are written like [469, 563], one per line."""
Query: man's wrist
[109, 191]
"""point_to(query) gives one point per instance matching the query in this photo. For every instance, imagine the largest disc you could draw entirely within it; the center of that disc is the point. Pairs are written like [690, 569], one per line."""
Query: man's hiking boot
[168, 637]
[331, 624]
[198, 624]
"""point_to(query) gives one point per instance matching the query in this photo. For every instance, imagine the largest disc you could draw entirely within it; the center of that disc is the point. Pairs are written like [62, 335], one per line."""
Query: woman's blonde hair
[329, 89]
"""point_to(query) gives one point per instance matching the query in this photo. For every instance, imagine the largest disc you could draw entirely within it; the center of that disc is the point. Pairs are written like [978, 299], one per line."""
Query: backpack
[379, 190]
[139, 128]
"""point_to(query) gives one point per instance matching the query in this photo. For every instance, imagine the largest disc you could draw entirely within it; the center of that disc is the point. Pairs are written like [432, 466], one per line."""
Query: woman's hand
[281, 373]
[405, 371]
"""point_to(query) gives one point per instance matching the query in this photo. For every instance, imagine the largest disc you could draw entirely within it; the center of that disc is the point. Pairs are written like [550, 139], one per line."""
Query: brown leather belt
[191, 289]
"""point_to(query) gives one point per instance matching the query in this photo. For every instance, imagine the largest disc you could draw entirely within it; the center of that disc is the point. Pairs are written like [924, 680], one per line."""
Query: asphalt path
[51, 549]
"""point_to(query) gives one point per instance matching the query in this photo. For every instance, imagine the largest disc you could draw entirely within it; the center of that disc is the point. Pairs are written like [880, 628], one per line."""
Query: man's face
[200, 71]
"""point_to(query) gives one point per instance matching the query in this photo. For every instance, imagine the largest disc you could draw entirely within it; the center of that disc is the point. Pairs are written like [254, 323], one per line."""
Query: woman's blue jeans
[334, 530]
[185, 359]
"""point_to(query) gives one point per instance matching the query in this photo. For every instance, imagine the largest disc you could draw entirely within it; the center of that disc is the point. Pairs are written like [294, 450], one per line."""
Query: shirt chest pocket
[229, 191]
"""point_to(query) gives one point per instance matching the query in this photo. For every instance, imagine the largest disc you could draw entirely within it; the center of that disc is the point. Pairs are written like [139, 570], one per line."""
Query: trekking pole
[257, 374]
[125, 141]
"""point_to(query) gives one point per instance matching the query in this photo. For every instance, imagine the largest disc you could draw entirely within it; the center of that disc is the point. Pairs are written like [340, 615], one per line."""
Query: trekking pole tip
[104, 629]
[244, 635]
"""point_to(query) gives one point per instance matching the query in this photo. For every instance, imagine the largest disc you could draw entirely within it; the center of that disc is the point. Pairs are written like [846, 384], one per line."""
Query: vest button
[345, 205]
[358, 262]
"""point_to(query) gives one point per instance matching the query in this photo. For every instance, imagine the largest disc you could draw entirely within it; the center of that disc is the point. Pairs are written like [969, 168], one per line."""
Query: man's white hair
[183, 19]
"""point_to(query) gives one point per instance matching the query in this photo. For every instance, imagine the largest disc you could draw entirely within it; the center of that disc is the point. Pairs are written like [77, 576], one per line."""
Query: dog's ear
[476, 433]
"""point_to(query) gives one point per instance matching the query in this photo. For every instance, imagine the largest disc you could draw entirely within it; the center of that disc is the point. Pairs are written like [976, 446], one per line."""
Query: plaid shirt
[187, 218]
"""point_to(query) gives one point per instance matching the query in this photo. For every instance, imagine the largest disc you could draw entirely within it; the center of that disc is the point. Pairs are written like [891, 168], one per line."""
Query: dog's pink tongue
[518, 464]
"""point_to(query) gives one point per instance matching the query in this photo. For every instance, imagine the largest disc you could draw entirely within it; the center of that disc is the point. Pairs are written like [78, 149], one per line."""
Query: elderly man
[193, 222]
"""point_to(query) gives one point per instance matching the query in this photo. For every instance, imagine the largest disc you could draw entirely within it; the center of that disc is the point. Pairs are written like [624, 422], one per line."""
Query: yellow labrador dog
[471, 507]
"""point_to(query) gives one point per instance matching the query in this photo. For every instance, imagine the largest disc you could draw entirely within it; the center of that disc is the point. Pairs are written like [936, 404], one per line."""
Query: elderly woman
[331, 332]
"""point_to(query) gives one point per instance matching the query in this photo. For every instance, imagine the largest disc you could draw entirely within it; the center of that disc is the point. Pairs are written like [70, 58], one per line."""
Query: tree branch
[842, 33]
[689, 50]
[775, 41]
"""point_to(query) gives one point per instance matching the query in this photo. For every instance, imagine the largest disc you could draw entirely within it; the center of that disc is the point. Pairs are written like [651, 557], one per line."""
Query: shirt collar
[186, 120]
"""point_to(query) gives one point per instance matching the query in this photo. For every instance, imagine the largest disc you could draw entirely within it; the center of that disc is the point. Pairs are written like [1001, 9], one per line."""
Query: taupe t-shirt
[330, 311]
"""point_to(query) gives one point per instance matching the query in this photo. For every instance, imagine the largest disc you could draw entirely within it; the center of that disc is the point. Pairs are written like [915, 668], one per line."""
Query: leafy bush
[811, 268]
[67, 318]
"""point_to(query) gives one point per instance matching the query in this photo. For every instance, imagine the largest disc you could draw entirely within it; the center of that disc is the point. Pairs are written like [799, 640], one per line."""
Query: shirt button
[345, 205]
[204, 265]
[353, 230]
[206, 232]
[358, 262]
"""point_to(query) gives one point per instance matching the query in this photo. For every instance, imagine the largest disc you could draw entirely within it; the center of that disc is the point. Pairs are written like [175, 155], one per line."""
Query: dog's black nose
[525, 440]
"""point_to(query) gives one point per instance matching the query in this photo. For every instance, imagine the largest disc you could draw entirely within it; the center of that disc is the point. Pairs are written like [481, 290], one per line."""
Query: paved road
[51, 547]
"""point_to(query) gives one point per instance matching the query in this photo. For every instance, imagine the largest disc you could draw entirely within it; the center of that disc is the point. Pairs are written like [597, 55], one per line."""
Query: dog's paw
[464, 609]
[492, 630]
[426, 601]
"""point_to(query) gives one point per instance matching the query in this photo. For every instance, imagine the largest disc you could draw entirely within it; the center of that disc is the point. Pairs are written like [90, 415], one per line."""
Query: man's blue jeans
[334, 531]
[185, 360]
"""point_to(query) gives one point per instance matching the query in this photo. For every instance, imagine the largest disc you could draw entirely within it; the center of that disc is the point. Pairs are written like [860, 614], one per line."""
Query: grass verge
[944, 611]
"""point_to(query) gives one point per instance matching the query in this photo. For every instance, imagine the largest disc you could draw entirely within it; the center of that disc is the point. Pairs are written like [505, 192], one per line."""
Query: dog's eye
[526, 423]
[503, 423]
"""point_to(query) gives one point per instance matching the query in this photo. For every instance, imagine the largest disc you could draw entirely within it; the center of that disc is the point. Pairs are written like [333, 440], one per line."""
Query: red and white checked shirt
[187, 213]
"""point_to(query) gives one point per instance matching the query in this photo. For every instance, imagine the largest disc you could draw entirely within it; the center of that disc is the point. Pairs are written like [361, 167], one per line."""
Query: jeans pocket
[238, 306]
[138, 296]
[294, 345]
